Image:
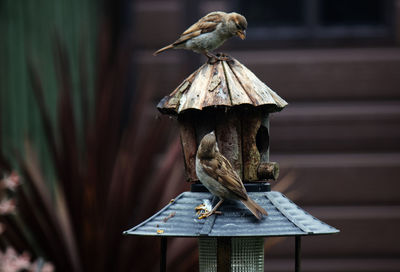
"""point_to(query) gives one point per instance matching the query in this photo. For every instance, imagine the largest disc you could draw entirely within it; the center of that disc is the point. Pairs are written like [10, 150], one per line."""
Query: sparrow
[217, 174]
[209, 33]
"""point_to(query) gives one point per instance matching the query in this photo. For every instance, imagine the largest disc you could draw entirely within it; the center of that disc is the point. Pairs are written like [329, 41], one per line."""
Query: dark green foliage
[93, 162]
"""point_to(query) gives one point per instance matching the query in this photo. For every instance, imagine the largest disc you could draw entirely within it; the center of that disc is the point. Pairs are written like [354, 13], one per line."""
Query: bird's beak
[241, 34]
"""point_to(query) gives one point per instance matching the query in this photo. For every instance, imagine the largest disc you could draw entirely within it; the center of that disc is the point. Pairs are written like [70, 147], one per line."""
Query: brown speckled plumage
[209, 33]
[217, 174]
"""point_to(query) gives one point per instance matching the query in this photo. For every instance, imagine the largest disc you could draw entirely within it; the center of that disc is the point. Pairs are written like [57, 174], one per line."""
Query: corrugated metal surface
[285, 218]
[224, 83]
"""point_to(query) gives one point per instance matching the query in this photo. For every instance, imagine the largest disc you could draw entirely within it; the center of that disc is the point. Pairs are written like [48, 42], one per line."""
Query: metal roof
[284, 218]
[223, 83]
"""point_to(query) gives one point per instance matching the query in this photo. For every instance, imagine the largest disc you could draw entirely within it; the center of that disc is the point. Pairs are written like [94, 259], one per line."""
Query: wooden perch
[268, 170]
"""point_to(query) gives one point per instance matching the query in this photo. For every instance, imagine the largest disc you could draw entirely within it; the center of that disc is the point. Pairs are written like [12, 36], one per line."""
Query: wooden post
[224, 249]
[163, 254]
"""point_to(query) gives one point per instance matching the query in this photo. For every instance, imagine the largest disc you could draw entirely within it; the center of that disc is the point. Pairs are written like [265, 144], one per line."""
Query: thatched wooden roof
[224, 83]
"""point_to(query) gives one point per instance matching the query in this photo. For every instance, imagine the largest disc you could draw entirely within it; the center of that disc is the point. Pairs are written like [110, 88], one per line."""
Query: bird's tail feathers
[163, 49]
[256, 209]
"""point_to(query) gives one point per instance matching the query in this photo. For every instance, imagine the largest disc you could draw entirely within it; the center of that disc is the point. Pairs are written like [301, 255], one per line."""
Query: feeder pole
[163, 259]
[297, 266]
[224, 245]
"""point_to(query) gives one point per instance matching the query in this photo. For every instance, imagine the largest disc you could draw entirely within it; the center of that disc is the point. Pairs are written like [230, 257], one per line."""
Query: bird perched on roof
[209, 33]
[218, 176]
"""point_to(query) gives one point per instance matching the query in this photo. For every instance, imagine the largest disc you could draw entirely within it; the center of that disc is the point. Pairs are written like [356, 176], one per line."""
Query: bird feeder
[228, 98]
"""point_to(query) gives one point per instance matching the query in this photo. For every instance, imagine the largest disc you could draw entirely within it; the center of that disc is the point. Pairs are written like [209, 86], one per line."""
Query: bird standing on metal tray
[209, 33]
[218, 176]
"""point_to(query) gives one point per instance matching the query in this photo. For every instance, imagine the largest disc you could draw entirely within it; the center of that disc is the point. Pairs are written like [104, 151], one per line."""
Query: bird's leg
[216, 206]
[208, 213]
[211, 57]
[223, 56]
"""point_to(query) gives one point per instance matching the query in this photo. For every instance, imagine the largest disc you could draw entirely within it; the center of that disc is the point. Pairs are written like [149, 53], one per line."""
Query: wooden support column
[189, 147]
[224, 249]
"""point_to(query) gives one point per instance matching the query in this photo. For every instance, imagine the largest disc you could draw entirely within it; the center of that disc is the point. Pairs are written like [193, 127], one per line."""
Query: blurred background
[93, 157]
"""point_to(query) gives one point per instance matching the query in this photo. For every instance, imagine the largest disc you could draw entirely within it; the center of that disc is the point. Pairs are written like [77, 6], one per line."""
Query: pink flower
[12, 181]
[46, 267]
[11, 262]
[7, 206]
